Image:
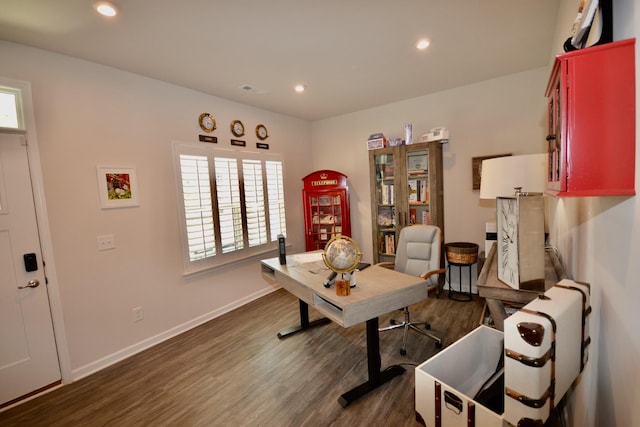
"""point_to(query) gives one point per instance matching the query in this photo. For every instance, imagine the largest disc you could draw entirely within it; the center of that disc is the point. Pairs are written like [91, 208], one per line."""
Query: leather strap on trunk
[438, 404]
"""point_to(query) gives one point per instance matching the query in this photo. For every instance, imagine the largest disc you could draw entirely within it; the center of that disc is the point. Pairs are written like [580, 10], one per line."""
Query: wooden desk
[378, 291]
[495, 292]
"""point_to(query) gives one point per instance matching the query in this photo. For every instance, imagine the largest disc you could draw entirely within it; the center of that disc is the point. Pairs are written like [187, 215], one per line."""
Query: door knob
[32, 284]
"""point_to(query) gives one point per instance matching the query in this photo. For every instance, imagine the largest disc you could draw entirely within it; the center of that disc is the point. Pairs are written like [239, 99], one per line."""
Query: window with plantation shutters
[254, 198]
[275, 193]
[229, 204]
[232, 204]
[198, 208]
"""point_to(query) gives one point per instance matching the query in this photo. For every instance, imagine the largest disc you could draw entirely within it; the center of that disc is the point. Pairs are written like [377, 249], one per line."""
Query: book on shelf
[424, 191]
[384, 170]
[426, 217]
[419, 216]
[390, 244]
[386, 217]
[386, 194]
[418, 191]
[413, 190]
[387, 243]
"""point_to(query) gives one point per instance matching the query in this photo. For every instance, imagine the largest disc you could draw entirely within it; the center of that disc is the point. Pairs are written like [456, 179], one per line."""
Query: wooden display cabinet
[406, 189]
[325, 197]
[591, 138]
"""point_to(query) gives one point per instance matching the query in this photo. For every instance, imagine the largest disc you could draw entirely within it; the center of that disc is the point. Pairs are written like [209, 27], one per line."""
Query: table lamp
[499, 176]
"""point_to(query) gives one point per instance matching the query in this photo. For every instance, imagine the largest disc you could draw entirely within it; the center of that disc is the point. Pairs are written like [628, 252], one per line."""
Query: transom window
[11, 108]
[232, 204]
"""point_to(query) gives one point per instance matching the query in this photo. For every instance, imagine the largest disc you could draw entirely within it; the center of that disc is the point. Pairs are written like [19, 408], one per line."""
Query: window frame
[220, 258]
[17, 94]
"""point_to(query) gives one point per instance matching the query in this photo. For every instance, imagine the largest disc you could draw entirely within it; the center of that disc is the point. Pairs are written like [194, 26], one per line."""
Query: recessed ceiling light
[423, 44]
[300, 88]
[106, 9]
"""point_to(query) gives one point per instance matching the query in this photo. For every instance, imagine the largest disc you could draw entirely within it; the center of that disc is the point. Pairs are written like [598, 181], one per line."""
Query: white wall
[599, 241]
[87, 114]
[504, 115]
[598, 238]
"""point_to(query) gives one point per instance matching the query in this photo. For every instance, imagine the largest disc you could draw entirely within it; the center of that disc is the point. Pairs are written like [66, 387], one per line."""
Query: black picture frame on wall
[476, 168]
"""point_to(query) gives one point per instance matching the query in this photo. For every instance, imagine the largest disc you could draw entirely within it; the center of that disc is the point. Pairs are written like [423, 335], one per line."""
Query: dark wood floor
[234, 371]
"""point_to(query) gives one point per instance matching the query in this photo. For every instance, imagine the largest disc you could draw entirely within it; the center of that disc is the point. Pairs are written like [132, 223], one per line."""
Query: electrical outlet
[138, 315]
[106, 242]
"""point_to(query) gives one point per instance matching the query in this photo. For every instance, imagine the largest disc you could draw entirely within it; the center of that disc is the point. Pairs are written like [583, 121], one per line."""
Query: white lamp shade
[499, 176]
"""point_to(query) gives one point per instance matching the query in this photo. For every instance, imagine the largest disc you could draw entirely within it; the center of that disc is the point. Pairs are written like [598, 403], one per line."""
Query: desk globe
[342, 255]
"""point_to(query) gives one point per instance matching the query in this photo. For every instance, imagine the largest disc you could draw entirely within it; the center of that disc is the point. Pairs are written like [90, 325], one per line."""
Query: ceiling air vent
[251, 89]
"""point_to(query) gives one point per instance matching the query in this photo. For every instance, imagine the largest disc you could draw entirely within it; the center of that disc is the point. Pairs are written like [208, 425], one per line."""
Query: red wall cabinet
[591, 141]
[326, 207]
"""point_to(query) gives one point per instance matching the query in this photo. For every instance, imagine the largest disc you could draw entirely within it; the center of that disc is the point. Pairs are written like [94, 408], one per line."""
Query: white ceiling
[351, 54]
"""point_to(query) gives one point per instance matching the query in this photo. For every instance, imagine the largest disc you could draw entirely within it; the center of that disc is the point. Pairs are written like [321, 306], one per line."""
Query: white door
[28, 356]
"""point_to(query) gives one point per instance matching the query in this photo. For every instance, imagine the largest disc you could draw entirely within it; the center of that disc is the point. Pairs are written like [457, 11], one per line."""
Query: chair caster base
[406, 324]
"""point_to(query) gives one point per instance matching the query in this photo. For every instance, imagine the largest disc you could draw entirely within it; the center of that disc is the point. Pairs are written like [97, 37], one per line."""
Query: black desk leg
[376, 377]
[304, 322]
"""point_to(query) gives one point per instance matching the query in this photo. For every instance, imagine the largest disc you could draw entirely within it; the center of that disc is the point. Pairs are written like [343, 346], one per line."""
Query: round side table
[460, 254]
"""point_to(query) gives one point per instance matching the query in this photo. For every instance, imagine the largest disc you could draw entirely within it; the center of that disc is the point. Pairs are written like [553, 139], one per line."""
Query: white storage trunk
[544, 350]
[459, 371]
[446, 383]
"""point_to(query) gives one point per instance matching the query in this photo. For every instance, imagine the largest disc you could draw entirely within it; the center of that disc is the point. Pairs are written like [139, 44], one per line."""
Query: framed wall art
[117, 187]
[476, 168]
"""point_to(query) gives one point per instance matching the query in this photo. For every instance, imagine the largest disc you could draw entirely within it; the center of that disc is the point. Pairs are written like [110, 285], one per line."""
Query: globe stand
[343, 284]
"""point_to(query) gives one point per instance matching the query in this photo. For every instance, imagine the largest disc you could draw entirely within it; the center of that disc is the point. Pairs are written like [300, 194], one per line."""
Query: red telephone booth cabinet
[325, 197]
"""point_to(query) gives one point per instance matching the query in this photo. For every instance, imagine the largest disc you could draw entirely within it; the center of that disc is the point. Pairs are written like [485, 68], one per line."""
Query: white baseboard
[104, 362]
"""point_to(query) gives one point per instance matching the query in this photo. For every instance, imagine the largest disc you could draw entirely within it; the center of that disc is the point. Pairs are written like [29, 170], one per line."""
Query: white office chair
[418, 253]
